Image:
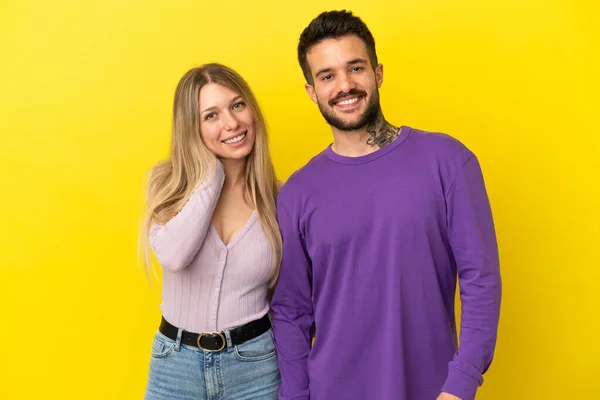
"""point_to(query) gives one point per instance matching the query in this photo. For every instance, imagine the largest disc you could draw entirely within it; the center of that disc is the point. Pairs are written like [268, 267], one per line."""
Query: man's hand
[447, 396]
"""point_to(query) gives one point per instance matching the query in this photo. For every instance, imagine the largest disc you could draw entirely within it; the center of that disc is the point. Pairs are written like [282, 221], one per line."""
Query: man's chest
[364, 210]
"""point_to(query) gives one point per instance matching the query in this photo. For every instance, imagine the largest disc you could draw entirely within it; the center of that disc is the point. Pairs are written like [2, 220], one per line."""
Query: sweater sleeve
[474, 247]
[292, 310]
[177, 242]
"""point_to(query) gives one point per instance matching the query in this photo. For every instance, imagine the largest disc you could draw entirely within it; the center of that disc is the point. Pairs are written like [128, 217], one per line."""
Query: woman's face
[226, 122]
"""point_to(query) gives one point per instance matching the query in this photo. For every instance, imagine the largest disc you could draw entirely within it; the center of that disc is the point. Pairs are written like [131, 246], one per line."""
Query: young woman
[211, 223]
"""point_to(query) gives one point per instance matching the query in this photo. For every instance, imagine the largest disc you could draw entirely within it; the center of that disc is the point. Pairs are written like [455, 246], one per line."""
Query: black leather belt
[215, 341]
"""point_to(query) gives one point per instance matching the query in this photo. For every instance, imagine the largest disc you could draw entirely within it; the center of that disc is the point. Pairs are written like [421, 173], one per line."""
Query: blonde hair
[172, 182]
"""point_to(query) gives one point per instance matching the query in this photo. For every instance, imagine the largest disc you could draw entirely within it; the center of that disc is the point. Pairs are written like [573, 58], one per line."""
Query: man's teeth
[347, 102]
[235, 139]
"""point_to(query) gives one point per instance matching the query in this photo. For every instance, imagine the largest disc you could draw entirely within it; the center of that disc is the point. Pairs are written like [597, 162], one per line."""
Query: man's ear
[311, 92]
[379, 74]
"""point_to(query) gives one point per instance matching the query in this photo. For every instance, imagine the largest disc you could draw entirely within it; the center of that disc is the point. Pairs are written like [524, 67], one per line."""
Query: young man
[375, 230]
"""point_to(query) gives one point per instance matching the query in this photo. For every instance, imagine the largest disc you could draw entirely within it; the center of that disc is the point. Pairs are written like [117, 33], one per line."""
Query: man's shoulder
[445, 153]
[439, 143]
[302, 180]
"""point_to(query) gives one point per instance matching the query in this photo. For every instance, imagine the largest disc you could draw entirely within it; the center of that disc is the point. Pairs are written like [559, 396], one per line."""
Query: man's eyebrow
[351, 62]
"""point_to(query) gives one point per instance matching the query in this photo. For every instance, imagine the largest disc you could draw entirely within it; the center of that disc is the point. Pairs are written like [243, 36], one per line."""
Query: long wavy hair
[172, 181]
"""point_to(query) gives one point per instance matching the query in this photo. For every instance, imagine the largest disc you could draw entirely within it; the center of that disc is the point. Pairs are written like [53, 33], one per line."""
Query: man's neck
[365, 140]
[351, 143]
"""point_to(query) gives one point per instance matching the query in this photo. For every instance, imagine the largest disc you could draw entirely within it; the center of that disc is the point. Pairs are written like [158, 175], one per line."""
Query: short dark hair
[332, 25]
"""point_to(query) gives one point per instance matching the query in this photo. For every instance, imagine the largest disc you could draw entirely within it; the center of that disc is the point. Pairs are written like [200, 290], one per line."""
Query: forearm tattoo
[381, 133]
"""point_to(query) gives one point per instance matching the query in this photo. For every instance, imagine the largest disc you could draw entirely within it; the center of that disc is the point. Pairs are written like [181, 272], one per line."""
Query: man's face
[346, 88]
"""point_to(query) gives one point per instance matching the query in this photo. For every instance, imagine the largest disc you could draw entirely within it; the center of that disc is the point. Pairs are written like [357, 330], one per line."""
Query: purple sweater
[372, 249]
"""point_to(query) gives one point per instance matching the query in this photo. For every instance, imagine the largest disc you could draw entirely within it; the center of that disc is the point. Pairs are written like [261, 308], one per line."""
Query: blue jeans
[247, 371]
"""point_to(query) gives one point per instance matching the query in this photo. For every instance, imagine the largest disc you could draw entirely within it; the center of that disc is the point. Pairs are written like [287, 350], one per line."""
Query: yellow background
[86, 89]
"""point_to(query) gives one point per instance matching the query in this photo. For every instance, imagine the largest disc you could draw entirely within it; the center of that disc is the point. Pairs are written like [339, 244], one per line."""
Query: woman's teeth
[235, 139]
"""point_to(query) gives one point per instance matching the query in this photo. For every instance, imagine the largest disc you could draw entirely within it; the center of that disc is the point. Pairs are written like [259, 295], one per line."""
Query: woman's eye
[239, 106]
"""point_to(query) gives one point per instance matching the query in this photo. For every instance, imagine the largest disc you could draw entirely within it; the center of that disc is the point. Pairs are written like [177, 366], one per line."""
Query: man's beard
[368, 117]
